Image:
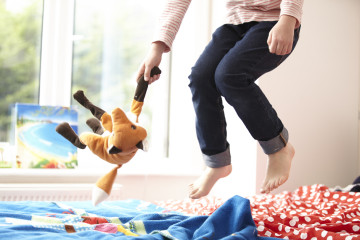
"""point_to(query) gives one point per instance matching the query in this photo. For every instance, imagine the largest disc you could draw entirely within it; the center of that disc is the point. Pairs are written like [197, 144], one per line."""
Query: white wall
[316, 94]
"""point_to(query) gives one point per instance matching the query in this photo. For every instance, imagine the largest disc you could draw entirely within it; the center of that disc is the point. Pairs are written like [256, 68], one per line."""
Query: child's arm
[170, 21]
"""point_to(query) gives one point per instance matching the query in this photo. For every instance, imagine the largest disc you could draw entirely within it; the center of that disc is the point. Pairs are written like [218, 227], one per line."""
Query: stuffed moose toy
[114, 139]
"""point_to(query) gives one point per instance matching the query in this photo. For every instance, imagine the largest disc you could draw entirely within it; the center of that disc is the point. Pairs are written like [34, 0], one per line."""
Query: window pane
[20, 34]
[110, 41]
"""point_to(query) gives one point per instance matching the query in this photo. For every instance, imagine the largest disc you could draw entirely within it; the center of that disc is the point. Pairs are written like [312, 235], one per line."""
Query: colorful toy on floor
[114, 139]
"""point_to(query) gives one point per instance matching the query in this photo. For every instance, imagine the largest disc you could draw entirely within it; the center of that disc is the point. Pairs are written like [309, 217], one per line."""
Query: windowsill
[82, 172]
[91, 168]
[75, 175]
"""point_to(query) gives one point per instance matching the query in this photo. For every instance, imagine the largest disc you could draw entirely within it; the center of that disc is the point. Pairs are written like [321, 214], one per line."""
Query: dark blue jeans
[234, 59]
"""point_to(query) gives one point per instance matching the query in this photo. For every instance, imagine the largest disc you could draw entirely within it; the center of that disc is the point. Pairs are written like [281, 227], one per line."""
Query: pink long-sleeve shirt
[238, 12]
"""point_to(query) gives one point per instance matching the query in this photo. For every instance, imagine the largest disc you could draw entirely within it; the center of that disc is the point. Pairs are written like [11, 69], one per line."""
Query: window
[21, 25]
[52, 48]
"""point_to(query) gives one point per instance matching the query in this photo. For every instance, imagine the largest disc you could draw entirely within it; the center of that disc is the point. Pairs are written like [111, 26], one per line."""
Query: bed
[310, 212]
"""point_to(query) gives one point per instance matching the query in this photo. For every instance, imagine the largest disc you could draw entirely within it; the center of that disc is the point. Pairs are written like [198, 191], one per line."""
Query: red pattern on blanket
[311, 212]
[202, 206]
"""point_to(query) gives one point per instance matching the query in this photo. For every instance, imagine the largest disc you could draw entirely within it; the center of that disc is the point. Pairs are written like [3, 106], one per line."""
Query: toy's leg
[82, 99]
[95, 125]
[67, 132]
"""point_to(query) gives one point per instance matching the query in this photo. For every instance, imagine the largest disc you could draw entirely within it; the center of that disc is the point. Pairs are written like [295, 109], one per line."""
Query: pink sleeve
[170, 21]
[292, 8]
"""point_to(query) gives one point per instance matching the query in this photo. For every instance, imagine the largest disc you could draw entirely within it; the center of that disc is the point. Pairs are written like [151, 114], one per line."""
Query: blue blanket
[128, 219]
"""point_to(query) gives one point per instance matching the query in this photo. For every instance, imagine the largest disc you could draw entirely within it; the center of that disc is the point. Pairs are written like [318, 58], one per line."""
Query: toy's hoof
[95, 125]
[80, 96]
[65, 130]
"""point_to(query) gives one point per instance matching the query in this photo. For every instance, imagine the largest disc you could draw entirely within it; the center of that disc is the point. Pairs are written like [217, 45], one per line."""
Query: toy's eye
[133, 127]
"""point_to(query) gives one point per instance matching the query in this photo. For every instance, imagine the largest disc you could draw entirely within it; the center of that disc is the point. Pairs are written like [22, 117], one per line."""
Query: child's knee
[199, 78]
[228, 82]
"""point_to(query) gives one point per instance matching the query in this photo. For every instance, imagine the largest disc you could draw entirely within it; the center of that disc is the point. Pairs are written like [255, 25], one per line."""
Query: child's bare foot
[278, 168]
[202, 186]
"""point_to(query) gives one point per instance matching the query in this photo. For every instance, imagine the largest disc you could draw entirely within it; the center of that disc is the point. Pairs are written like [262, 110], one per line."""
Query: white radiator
[52, 192]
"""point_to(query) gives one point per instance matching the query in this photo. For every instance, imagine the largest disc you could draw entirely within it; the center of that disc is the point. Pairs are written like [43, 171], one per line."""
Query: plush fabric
[118, 144]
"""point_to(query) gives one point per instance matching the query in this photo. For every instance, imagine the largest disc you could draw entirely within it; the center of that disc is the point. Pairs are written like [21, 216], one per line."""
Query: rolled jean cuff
[218, 160]
[275, 144]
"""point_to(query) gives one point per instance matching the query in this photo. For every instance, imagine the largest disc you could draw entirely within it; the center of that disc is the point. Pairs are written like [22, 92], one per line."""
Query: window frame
[56, 52]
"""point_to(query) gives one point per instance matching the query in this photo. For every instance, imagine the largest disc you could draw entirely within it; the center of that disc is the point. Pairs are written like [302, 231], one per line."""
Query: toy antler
[140, 93]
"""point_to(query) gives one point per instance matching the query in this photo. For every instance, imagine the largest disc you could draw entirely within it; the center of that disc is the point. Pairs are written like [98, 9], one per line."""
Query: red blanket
[311, 212]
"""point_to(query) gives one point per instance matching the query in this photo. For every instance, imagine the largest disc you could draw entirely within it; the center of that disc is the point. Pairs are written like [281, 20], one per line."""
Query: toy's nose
[140, 145]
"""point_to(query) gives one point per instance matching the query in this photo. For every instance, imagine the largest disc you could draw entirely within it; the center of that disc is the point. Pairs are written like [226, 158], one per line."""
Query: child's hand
[152, 59]
[281, 36]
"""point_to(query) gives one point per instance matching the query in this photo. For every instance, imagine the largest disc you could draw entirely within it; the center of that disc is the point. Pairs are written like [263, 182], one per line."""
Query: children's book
[5, 155]
[37, 144]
